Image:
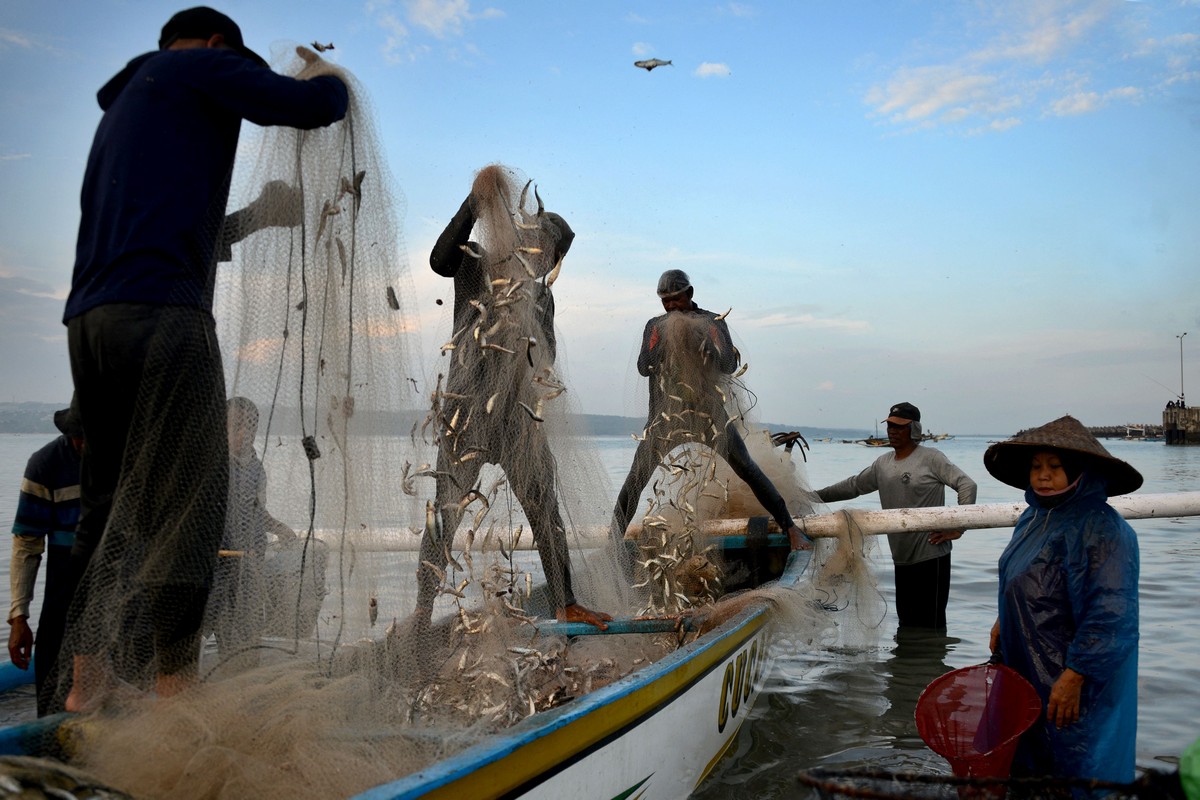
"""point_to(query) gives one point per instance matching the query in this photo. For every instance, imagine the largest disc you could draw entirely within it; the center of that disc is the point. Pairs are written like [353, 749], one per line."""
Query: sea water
[853, 707]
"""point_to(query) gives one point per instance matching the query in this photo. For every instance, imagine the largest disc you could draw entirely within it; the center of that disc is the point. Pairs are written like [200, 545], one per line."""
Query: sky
[991, 210]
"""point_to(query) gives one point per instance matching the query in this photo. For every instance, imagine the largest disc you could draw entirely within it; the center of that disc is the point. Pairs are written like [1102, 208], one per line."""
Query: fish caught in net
[393, 533]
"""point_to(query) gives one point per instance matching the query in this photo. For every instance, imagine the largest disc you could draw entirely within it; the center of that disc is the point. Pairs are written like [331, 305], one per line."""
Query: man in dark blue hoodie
[142, 337]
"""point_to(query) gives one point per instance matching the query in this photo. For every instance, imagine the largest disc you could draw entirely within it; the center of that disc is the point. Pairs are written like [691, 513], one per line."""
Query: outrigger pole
[954, 518]
[869, 522]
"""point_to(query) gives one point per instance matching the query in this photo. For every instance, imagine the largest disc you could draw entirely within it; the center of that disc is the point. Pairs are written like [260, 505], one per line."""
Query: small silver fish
[321, 48]
[650, 63]
[533, 415]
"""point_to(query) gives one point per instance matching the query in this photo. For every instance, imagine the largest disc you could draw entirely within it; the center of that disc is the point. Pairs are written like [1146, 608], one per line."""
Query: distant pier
[1181, 423]
[1132, 430]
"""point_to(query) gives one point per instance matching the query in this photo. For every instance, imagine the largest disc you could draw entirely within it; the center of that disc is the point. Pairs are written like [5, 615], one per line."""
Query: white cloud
[1088, 102]
[1080, 103]
[806, 320]
[742, 10]
[1004, 124]
[11, 38]
[1151, 46]
[395, 47]
[1041, 31]
[15, 156]
[45, 294]
[1054, 54]
[443, 19]
[919, 93]
[642, 49]
[711, 70]
[1131, 93]
[1183, 77]
[439, 17]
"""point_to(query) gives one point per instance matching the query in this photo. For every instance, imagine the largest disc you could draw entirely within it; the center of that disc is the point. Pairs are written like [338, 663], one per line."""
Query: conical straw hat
[1009, 461]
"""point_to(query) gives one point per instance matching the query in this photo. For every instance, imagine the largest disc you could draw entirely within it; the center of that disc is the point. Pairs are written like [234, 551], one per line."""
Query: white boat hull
[654, 734]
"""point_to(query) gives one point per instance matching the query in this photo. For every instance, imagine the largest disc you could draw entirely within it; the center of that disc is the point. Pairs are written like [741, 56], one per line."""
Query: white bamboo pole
[870, 522]
[953, 518]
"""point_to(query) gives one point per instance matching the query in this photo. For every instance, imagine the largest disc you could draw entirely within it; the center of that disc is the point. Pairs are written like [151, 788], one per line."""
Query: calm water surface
[853, 706]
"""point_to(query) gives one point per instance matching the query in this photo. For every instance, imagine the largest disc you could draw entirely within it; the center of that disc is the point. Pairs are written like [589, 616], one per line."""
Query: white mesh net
[383, 530]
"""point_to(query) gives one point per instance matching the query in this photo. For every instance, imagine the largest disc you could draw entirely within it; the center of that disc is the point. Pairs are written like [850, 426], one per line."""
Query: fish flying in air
[651, 63]
[321, 48]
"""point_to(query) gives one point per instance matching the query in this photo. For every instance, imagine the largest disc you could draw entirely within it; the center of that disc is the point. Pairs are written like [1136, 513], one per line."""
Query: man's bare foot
[91, 681]
[578, 613]
[171, 685]
[799, 539]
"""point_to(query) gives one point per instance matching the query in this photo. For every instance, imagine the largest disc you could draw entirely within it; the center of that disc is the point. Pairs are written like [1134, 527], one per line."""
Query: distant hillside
[39, 418]
[28, 417]
[606, 425]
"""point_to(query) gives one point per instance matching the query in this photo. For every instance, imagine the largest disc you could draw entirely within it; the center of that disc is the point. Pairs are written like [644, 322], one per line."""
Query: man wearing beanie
[140, 329]
[697, 412]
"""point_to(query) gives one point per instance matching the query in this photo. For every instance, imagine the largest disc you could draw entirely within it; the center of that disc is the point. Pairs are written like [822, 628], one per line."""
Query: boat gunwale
[488, 754]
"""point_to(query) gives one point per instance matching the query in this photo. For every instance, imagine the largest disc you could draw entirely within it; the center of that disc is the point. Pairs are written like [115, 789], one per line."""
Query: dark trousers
[922, 591]
[51, 622]
[154, 481]
[533, 483]
[653, 449]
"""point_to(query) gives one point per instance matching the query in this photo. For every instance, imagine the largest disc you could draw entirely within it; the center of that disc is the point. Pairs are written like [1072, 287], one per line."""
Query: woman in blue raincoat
[1068, 601]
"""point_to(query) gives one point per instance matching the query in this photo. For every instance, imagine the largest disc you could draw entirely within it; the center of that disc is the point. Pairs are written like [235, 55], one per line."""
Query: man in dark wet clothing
[502, 434]
[142, 337]
[711, 426]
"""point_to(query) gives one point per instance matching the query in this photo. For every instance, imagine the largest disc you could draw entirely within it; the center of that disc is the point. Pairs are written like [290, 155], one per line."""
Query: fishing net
[973, 717]
[831, 783]
[713, 461]
[394, 538]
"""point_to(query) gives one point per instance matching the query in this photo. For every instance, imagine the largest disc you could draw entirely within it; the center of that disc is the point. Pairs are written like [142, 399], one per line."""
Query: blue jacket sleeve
[1102, 573]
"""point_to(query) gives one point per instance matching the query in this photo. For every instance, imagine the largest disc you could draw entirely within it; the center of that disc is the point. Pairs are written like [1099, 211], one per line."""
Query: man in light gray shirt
[912, 476]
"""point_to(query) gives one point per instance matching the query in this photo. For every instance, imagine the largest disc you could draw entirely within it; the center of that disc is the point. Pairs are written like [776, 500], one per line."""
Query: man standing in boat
[688, 354]
[142, 338]
[504, 349]
[912, 476]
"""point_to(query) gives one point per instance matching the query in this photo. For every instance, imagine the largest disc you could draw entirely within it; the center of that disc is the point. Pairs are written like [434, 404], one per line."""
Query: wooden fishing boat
[696, 698]
[882, 441]
[694, 701]
[657, 732]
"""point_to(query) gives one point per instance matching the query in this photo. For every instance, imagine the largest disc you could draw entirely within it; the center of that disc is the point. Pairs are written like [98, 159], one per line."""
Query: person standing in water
[1068, 601]
[912, 476]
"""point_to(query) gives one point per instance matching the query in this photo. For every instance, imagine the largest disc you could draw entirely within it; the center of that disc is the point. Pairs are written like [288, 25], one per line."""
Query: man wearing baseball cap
[142, 336]
[912, 476]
